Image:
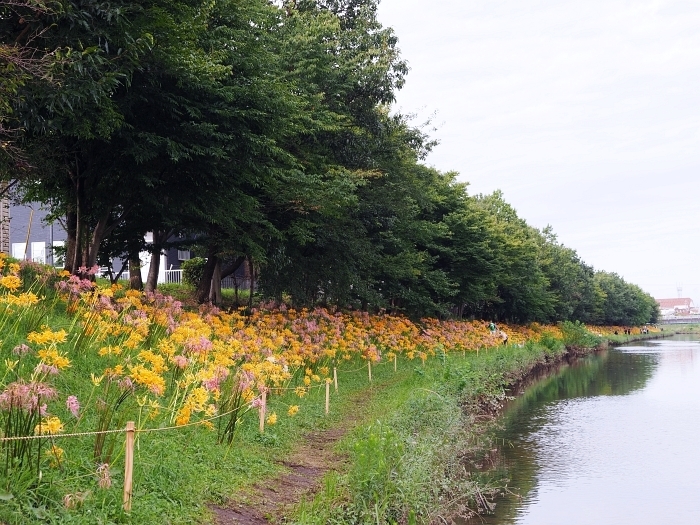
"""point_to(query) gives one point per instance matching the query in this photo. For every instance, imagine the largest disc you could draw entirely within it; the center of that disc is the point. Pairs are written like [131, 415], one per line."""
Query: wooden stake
[394, 362]
[263, 409]
[335, 378]
[369, 370]
[129, 464]
[328, 397]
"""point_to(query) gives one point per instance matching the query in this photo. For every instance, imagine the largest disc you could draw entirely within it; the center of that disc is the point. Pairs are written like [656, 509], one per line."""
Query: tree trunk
[71, 241]
[135, 279]
[98, 234]
[251, 267]
[160, 237]
[204, 287]
[75, 261]
[215, 291]
[153, 270]
[85, 251]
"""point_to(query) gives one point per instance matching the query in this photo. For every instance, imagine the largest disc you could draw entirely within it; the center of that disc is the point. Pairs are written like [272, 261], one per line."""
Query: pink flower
[73, 405]
[126, 384]
[104, 480]
[180, 361]
[47, 370]
[199, 345]
[21, 350]
[26, 396]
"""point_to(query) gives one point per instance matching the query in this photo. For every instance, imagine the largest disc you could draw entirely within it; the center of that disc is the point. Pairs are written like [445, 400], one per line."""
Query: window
[19, 249]
[183, 255]
[39, 252]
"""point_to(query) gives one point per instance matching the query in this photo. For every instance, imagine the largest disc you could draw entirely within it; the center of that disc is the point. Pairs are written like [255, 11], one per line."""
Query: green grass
[413, 461]
[408, 443]
[411, 434]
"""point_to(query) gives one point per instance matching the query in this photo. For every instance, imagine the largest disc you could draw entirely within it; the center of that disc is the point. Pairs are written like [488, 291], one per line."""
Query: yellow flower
[11, 282]
[293, 410]
[51, 425]
[109, 350]
[300, 391]
[272, 419]
[156, 361]
[47, 337]
[148, 378]
[55, 454]
[183, 416]
[24, 299]
[51, 356]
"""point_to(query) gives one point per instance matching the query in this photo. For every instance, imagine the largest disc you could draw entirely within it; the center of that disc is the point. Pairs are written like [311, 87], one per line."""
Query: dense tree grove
[260, 132]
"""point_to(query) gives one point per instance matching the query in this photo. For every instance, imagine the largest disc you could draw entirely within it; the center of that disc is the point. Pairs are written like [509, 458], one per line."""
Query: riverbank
[592, 430]
[231, 409]
[427, 456]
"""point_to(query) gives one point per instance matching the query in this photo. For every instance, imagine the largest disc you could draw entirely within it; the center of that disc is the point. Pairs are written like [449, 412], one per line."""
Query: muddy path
[272, 500]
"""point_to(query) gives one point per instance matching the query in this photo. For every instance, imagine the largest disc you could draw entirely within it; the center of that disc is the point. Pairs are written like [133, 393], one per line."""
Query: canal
[613, 439]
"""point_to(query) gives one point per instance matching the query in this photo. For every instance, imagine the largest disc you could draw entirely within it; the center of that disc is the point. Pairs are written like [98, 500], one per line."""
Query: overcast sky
[586, 114]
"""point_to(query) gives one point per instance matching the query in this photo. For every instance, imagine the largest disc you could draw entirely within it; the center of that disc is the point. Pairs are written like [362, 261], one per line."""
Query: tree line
[260, 133]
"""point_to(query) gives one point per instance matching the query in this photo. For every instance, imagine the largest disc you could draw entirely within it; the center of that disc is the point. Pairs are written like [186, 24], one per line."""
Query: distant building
[32, 237]
[678, 306]
[5, 225]
[25, 233]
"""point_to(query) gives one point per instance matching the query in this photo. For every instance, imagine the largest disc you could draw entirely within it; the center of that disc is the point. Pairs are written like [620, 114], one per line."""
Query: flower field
[80, 360]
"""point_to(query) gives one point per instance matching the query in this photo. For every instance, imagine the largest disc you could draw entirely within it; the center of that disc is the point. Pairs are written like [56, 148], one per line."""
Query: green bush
[192, 270]
[577, 335]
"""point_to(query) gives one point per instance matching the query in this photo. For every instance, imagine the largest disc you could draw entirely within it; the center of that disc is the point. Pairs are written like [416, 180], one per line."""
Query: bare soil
[271, 501]
[305, 467]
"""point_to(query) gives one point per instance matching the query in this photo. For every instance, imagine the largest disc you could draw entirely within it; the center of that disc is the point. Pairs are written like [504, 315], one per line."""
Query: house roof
[676, 302]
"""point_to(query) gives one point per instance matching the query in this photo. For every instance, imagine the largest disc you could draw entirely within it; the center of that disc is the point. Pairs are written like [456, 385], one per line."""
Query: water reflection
[608, 440]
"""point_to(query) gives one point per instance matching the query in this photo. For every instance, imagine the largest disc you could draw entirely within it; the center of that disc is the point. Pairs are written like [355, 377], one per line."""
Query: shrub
[192, 270]
[577, 335]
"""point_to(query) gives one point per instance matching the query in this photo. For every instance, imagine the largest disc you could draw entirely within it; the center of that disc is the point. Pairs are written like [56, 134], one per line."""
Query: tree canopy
[262, 132]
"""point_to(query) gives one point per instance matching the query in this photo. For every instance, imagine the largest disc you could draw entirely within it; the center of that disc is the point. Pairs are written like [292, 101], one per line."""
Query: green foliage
[550, 342]
[192, 270]
[576, 335]
[377, 457]
[263, 132]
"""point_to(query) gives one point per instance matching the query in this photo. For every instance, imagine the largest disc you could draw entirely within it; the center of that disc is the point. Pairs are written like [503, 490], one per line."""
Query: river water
[613, 439]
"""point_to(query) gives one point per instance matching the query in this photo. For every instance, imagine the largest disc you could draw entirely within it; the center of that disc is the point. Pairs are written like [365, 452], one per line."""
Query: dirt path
[271, 501]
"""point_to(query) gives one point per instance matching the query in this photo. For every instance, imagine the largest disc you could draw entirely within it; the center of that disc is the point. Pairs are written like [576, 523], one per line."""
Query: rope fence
[131, 430]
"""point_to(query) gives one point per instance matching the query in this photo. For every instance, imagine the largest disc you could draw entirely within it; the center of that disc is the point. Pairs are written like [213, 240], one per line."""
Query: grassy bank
[420, 455]
[79, 361]
[426, 456]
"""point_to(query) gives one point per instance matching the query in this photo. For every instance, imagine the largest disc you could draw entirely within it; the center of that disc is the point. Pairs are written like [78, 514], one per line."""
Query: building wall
[30, 220]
